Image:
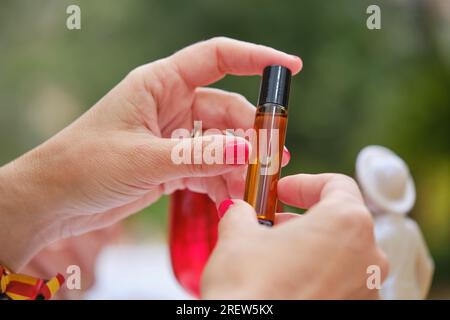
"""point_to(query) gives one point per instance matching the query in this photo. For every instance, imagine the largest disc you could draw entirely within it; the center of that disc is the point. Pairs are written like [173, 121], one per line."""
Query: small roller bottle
[270, 133]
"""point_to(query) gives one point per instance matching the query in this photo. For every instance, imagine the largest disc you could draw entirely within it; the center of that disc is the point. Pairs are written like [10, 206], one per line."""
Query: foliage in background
[358, 86]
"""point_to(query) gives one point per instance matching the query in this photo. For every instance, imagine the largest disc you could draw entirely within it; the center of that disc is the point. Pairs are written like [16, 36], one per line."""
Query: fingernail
[298, 59]
[286, 154]
[236, 153]
[223, 207]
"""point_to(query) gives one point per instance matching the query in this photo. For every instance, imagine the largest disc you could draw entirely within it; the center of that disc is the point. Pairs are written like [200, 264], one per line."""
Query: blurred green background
[358, 86]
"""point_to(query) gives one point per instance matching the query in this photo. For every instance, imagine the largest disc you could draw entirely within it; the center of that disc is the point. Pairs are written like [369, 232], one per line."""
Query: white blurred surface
[135, 272]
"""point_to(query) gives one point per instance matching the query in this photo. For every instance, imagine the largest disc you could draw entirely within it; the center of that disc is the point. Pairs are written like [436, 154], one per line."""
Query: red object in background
[192, 236]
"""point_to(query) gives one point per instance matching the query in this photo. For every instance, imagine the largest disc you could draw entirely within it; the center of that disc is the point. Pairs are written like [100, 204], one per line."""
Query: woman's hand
[323, 254]
[116, 158]
[81, 251]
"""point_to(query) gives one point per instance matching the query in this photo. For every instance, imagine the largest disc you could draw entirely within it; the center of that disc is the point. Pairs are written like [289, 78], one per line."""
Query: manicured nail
[236, 153]
[223, 207]
[286, 154]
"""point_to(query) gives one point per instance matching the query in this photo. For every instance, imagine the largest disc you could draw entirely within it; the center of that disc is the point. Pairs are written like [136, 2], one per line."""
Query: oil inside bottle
[265, 164]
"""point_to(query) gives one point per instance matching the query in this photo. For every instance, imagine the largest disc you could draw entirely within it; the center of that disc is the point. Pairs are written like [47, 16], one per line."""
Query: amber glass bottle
[270, 133]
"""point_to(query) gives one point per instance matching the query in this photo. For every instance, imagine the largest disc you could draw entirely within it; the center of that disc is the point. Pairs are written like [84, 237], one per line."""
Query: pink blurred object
[193, 225]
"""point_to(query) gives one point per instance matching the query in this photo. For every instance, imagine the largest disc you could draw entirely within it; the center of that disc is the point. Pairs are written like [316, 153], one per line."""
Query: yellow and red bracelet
[14, 286]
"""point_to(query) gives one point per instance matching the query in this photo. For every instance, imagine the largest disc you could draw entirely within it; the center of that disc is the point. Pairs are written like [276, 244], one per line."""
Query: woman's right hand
[324, 254]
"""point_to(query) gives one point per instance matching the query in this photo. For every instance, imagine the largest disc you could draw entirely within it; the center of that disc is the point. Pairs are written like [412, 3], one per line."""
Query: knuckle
[137, 72]
[357, 217]
[344, 198]
[344, 177]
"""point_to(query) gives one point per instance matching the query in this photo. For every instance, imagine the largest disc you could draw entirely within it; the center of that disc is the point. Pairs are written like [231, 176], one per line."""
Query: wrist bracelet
[14, 286]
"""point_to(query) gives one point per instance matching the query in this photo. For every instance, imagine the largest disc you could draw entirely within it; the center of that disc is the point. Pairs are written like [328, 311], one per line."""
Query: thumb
[237, 217]
[208, 155]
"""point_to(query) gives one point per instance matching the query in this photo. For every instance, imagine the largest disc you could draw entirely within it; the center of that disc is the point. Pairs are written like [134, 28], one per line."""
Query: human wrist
[26, 226]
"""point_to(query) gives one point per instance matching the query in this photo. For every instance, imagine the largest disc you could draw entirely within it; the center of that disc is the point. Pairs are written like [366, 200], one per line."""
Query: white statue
[389, 192]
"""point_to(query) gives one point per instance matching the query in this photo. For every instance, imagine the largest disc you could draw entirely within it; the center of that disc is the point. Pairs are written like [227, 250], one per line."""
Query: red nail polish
[286, 154]
[223, 207]
[236, 153]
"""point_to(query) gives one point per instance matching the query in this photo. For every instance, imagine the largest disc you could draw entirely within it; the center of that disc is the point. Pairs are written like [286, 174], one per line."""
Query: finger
[219, 188]
[204, 156]
[108, 218]
[286, 157]
[235, 181]
[222, 110]
[237, 217]
[208, 61]
[214, 187]
[285, 216]
[305, 190]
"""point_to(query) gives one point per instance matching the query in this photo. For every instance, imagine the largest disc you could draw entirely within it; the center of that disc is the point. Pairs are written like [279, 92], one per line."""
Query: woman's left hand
[117, 158]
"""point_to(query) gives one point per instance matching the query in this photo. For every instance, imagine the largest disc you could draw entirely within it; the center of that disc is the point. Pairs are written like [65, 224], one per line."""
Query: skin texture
[116, 158]
[81, 251]
[323, 254]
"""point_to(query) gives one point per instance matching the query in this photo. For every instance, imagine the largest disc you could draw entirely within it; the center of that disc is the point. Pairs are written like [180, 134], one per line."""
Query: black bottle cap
[275, 84]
